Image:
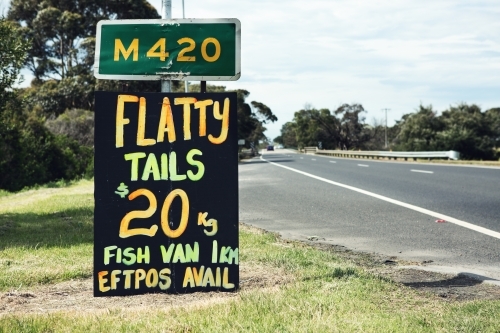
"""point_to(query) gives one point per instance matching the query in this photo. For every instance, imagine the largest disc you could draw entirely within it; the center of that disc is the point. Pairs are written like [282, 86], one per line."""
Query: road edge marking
[437, 215]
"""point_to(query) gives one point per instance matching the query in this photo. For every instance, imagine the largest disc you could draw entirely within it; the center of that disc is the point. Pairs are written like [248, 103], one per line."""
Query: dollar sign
[122, 190]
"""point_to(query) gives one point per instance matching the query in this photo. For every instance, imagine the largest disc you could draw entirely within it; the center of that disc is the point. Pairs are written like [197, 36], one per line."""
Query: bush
[32, 155]
[76, 123]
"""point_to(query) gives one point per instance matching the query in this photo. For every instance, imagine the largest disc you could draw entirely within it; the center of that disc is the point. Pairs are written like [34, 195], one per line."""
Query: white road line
[363, 165]
[333, 162]
[301, 158]
[422, 171]
[397, 202]
[313, 159]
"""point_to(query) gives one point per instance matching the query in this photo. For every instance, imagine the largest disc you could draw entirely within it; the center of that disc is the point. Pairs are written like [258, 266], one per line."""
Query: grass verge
[324, 293]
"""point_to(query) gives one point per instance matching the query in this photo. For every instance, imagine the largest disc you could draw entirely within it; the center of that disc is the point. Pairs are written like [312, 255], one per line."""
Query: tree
[468, 131]
[493, 118]
[419, 130]
[344, 129]
[288, 137]
[351, 126]
[14, 48]
[57, 28]
[251, 118]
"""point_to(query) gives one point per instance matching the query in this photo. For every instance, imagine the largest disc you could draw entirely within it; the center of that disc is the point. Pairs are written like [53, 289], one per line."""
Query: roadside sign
[166, 193]
[178, 49]
[241, 142]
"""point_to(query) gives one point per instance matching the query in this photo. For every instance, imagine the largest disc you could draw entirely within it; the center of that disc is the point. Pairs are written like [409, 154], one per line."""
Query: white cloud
[383, 54]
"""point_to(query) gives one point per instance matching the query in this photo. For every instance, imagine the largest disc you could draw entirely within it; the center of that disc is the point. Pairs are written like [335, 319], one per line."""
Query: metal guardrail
[452, 155]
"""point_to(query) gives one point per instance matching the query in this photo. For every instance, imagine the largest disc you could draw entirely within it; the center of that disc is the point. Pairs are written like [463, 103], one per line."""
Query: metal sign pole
[184, 16]
[166, 14]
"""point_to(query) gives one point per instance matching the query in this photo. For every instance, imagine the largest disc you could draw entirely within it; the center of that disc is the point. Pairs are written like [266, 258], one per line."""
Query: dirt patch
[448, 287]
[77, 295]
[444, 286]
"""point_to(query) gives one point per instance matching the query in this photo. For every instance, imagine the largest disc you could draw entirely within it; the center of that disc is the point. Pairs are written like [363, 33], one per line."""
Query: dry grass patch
[76, 296]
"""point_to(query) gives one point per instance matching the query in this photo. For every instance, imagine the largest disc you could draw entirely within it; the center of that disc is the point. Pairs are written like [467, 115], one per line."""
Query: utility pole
[385, 125]
[166, 14]
[184, 16]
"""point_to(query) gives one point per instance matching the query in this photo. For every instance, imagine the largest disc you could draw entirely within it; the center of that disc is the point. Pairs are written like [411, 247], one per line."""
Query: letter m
[119, 48]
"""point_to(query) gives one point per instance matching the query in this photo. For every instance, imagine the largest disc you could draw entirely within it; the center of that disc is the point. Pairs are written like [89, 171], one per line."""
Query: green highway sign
[179, 49]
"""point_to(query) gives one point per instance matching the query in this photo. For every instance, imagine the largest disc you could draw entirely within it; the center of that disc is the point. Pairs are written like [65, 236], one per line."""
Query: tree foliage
[76, 124]
[58, 28]
[343, 128]
[14, 48]
[61, 56]
[419, 130]
[467, 130]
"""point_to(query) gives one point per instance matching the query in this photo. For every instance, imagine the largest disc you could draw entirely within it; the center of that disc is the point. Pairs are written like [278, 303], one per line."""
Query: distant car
[270, 147]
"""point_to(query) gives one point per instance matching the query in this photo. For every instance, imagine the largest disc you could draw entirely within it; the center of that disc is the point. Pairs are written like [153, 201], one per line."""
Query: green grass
[46, 236]
[325, 293]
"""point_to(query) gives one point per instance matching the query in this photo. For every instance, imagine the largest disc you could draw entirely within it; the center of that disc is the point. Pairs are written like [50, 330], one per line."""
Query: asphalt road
[299, 206]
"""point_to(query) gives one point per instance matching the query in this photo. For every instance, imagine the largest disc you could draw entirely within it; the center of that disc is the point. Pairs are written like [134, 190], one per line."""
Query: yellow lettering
[166, 123]
[102, 281]
[204, 53]
[162, 54]
[188, 278]
[225, 122]
[141, 127]
[186, 102]
[208, 278]
[198, 276]
[114, 278]
[184, 213]
[119, 47]
[217, 277]
[152, 278]
[164, 275]
[125, 222]
[202, 105]
[140, 275]
[225, 279]
[128, 278]
[120, 120]
[192, 44]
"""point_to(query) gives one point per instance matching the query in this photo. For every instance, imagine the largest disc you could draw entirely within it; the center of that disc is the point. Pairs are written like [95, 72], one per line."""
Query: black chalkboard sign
[166, 193]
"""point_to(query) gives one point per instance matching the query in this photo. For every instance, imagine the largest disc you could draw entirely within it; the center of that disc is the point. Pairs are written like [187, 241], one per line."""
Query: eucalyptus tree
[493, 118]
[57, 28]
[467, 130]
[419, 130]
[14, 48]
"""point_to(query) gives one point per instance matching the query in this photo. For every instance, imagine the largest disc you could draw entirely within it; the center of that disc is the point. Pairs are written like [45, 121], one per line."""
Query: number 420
[158, 50]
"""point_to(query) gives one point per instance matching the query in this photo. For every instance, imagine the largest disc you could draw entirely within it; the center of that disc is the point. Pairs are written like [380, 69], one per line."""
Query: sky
[382, 54]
